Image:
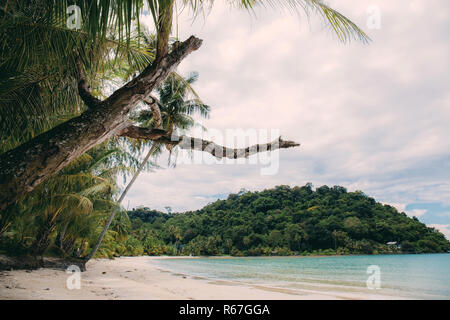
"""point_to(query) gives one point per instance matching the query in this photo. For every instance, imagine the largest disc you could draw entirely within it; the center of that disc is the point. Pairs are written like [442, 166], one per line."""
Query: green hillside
[285, 221]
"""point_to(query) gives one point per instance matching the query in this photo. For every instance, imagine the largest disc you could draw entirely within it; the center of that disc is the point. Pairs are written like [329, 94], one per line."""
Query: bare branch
[218, 151]
[153, 102]
[84, 90]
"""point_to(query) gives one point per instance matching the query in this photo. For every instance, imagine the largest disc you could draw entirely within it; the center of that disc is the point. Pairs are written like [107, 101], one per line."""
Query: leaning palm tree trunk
[122, 196]
[62, 234]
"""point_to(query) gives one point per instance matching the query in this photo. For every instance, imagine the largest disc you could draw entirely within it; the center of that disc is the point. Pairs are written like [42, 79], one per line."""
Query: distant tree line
[278, 221]
[285, 221]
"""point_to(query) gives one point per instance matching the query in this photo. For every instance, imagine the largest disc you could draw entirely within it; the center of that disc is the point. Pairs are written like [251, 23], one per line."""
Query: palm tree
[40, 73]
[41, 77]
[174, 111]
[83, 187]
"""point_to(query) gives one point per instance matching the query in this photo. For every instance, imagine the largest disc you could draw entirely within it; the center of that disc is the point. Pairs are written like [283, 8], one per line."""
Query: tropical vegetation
[85, 91]
[286, 221]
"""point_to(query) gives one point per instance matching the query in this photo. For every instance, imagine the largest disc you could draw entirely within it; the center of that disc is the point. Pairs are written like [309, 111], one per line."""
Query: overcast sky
[369, 117]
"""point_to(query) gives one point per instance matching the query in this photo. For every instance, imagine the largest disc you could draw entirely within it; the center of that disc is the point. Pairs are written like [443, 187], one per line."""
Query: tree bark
[84, 90]
[164, 27]
[26, 166]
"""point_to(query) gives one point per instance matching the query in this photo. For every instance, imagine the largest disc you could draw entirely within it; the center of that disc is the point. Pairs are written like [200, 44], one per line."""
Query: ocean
[422, 276]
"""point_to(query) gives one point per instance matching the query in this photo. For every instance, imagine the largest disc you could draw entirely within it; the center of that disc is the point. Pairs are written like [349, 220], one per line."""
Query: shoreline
[141, 278]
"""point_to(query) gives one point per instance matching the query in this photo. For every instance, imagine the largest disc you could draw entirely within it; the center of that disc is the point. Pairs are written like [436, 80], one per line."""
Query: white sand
[140, 278]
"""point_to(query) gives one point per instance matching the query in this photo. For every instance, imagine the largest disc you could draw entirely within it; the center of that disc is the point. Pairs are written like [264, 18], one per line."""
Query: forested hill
[285, 221]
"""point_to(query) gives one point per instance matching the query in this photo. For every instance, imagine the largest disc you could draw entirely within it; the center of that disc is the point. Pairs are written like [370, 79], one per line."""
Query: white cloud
[373, 117]
[444, 228]
[416, 212]
[399, 206]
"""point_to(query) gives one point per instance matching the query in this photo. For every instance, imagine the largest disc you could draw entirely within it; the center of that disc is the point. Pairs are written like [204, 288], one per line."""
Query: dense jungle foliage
[278, 221]
[284, 221]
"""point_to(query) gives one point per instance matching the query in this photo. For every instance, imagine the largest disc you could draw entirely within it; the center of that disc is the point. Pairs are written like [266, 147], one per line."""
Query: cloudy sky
[369, 117]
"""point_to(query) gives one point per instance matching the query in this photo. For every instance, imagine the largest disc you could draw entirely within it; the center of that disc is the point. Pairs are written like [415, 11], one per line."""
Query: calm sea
[425, 276]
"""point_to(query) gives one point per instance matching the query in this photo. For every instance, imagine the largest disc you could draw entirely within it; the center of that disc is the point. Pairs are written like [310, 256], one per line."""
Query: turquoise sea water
[425, 276]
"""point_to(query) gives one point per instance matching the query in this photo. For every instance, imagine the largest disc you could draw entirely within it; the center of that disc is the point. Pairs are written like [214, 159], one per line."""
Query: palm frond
[344, 28]
[38, 83]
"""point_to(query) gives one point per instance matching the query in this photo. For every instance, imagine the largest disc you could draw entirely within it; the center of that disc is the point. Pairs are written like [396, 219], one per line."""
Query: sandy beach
[140, 278]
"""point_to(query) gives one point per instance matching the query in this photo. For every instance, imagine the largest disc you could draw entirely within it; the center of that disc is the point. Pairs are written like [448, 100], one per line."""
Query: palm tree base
[8, 263]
